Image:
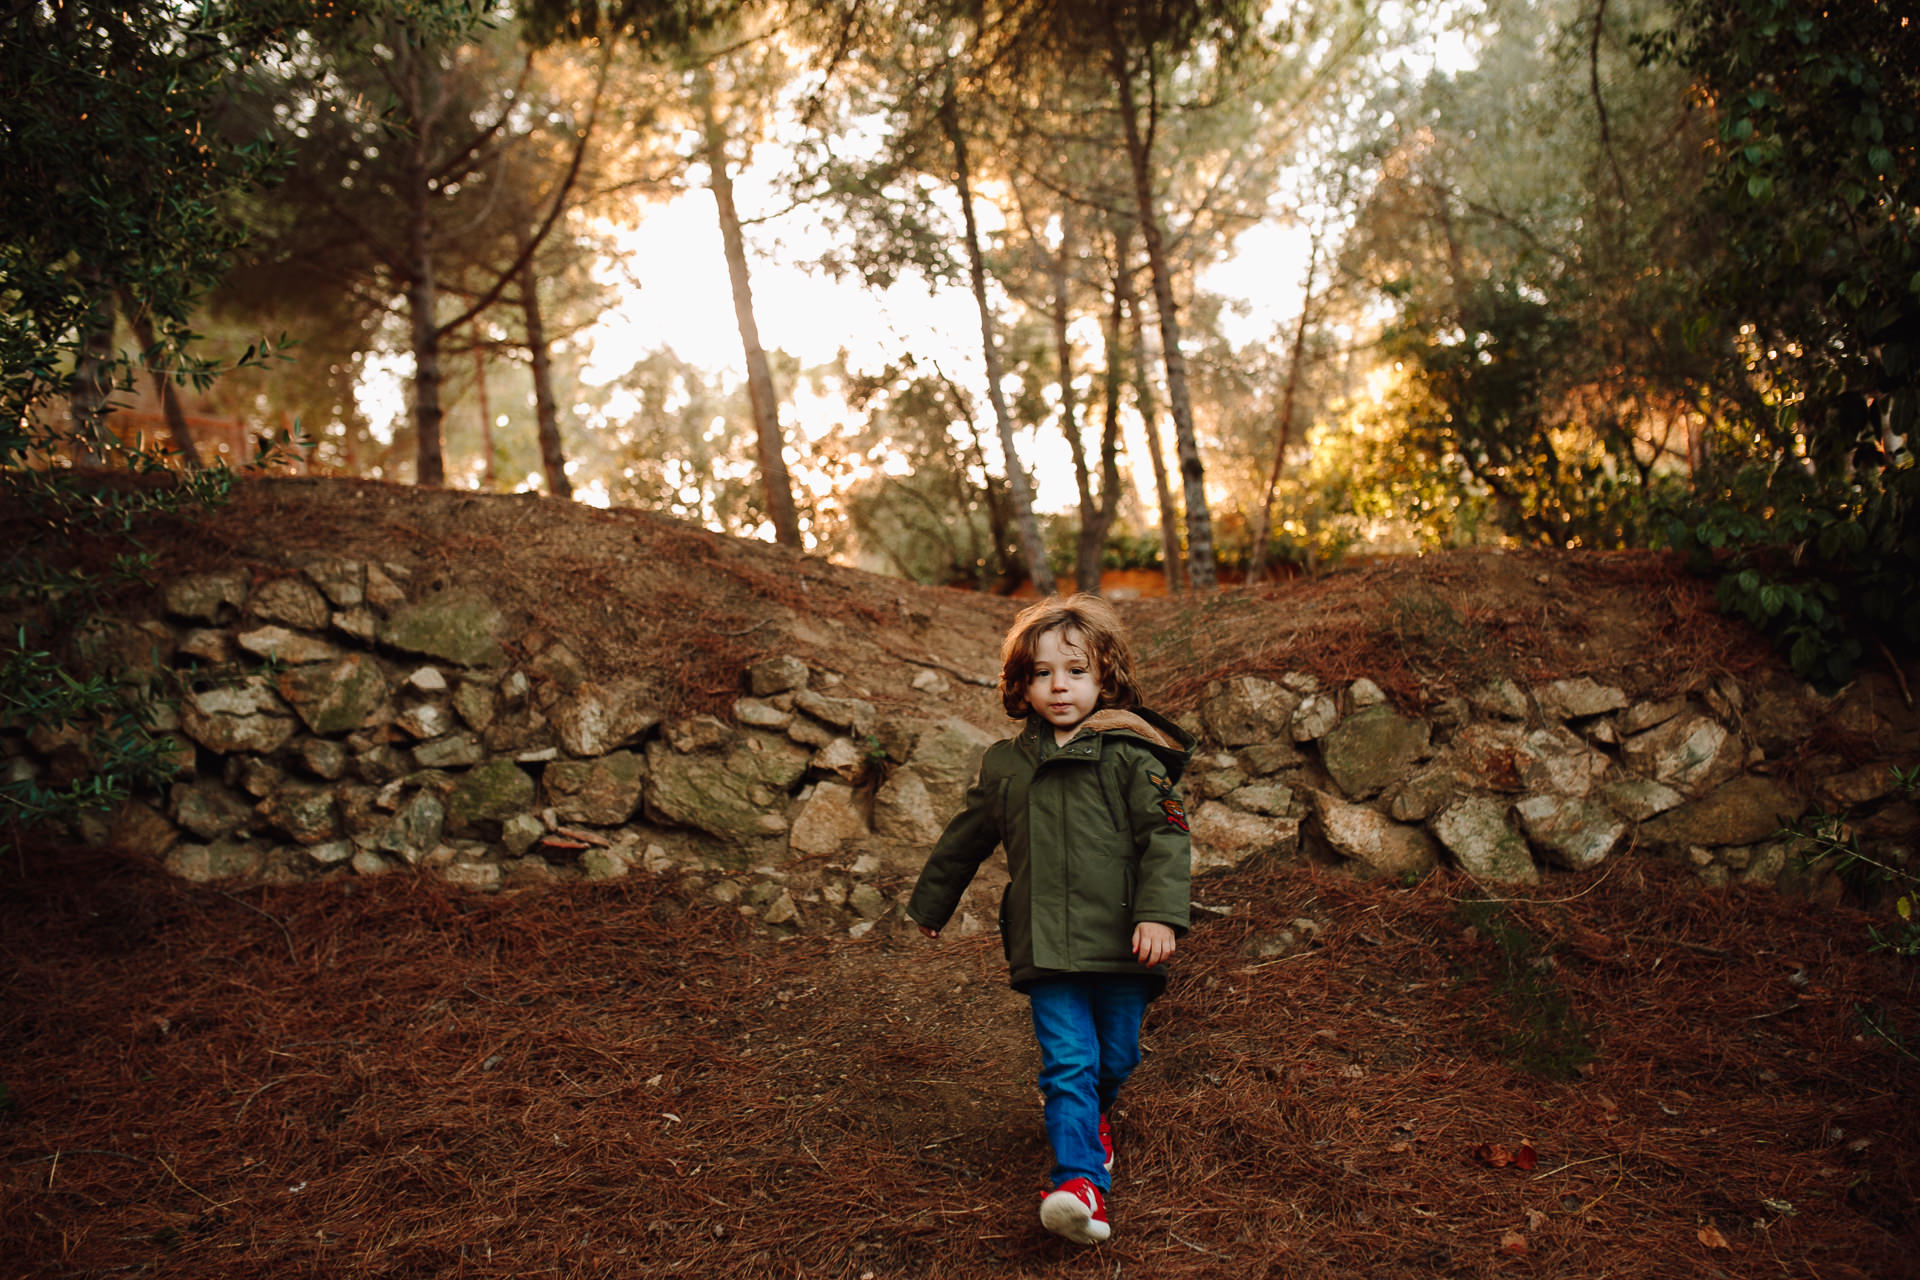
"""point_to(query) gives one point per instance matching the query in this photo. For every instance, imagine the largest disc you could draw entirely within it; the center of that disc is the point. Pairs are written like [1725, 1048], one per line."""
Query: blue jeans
[1089, 1033]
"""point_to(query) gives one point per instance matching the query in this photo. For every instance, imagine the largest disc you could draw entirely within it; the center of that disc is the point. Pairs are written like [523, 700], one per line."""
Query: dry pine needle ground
[394, 1079]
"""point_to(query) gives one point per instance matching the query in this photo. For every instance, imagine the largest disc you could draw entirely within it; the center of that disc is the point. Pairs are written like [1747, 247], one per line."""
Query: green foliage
[1538, 259]
[99, 723]
[118, 198]
[1830, 840]
[1824, 567]
[1813, 515]
[1540, 1033]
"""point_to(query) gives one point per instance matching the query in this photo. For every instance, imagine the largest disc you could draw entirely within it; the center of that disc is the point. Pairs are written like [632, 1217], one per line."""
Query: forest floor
[1619, 1074]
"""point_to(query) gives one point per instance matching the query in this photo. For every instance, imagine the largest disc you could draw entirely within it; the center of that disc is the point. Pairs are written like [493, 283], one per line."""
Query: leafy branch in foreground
[117, 201]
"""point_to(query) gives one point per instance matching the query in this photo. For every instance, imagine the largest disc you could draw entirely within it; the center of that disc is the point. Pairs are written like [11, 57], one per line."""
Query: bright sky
[685, 302]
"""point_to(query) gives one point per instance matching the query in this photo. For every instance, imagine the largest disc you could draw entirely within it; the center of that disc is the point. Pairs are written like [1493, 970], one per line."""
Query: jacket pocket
[1111, 802]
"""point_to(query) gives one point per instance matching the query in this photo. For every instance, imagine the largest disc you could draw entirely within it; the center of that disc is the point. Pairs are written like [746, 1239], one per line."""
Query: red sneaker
[1106, 1142]
[1076, 1209]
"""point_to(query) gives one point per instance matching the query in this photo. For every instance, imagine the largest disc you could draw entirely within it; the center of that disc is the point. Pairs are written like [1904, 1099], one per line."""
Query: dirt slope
[688, 608]
[1619, 1076]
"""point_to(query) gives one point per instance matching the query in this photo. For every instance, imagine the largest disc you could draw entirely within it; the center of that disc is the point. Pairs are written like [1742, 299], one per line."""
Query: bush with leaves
[115, 203]
[1812, 516]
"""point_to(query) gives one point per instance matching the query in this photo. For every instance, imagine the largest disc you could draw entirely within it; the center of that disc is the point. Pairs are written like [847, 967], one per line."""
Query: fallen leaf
[1536, 1220]
[1513, 1242]
[1711, 1238]
[1399, 1148]
[1495, 1156]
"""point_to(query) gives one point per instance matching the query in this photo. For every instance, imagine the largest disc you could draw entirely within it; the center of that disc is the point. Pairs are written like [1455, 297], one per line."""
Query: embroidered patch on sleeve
[1175, 811]
[1161, 782]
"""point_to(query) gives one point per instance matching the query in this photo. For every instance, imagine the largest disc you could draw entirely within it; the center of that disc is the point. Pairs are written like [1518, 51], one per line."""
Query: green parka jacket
[1096, 841]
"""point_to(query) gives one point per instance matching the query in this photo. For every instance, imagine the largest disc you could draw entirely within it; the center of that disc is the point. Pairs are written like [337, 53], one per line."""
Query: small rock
[1365, 693]
[206, 864]
[292, 601]
[855, 715]
[701, 733]
[1263, 758]
[208, 597]
[282, 645]
[760, 715]
[482, 877]
[1272, 798]
[830, 818]
[426, 720]
[776, 675]
[603, 864]
[1578, 698]
[1476, 832]
[360, 623]
[867, 901]
[368, 863]
[1500, 698]
[207, 644]
[1373, 840]
[331, 853]
[1642, 716]
[324, 758]
[1639, 798]
[454, 751]
[473, 701]
[1247, 709]
[903, 810]
[1572, 832]
[1315, 718]
[520, 833]
[842, 759]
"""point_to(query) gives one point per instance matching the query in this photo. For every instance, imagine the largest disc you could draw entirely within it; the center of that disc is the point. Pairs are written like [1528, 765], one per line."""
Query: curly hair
[1101, 633]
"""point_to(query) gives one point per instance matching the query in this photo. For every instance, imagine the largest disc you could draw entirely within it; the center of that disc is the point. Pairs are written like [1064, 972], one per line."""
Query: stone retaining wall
[334, 721]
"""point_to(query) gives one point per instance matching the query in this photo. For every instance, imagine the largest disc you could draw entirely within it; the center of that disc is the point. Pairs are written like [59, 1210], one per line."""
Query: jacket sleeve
[969, 840]
[1158, 817]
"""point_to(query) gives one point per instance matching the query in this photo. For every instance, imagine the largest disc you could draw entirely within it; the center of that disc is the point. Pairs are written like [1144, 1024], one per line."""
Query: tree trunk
[1172, 563]
[1034, 549]
[163, 388]
[552, 460]
[1096, 521]
[91, 386]
[999, 532]
[423, 300]
[1200, 560]
[489, 473]
[1086, 577]
[1283, 434]
[769, 438]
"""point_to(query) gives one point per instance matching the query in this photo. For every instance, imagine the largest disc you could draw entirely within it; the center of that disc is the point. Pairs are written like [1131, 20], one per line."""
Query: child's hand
[931, 933]
[1152, 942]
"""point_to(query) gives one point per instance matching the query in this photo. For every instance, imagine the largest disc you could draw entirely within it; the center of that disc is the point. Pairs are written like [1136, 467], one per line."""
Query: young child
[1083, 798]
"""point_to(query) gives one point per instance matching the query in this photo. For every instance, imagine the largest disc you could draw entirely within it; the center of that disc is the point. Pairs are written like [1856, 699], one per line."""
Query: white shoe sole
[1066, 1214]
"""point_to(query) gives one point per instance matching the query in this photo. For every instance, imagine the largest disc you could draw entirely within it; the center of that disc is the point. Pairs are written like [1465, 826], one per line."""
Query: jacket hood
[1171, 744]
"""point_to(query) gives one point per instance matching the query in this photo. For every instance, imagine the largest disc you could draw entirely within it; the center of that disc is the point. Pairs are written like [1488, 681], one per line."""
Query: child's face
[1065, 687]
